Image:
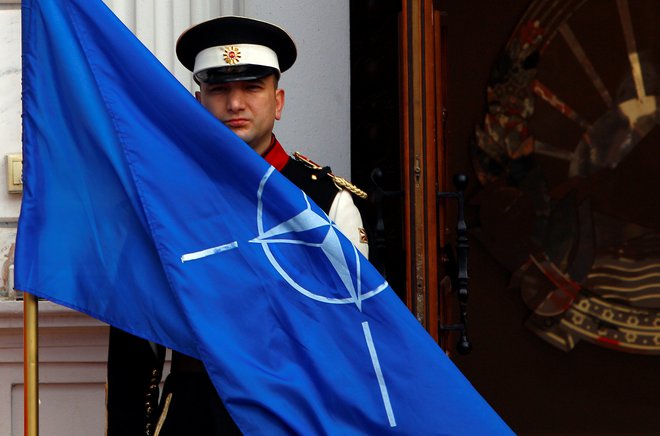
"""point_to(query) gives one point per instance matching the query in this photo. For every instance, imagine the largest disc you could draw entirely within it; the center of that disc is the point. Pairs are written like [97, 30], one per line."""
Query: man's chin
[245, 139]
[240, 133]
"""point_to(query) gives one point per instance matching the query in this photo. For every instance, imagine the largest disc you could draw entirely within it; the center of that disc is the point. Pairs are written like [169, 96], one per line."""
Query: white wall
[10, 98]
[316, 118]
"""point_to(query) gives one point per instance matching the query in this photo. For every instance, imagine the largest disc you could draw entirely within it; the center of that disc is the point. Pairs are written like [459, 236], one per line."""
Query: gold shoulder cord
[340, 182]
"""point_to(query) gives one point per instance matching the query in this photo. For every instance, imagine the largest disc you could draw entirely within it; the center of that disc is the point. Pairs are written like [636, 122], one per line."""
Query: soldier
[237, 63]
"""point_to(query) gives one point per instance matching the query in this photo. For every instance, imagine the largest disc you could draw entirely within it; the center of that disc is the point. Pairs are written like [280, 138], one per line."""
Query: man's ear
[198, 96]
[279, 103]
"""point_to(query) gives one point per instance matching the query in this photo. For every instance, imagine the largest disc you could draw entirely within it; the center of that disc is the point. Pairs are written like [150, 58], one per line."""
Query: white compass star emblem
[295, 231]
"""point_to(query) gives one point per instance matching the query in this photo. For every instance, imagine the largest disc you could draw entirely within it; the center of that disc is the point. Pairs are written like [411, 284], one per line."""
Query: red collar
[275, 154]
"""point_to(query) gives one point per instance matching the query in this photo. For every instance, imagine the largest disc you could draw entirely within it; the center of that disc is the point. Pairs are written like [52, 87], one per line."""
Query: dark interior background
[536, 388]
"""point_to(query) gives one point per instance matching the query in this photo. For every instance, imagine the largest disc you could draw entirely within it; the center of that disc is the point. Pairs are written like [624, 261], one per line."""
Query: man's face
[249, 108]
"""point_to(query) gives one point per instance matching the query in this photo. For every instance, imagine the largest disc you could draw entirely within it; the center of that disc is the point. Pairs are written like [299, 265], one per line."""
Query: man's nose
[235, 100]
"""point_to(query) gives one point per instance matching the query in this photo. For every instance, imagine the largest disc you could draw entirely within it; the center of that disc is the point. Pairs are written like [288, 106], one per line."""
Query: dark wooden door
[398, 98]
[423, 158]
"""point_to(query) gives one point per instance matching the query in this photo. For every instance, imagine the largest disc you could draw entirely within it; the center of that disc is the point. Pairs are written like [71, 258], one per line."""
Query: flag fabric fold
[142, 210]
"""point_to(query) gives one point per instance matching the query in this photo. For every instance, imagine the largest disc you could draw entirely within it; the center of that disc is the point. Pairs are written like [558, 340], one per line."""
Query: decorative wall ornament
[567, 158]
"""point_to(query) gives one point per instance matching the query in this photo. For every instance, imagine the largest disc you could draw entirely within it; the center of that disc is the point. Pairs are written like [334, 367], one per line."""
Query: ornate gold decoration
[340, 182]
[232, 55]
[566, 156]
[163, 415]
[363, 235]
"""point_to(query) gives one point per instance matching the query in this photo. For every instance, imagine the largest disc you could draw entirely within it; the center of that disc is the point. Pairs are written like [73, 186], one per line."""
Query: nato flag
[142, 210]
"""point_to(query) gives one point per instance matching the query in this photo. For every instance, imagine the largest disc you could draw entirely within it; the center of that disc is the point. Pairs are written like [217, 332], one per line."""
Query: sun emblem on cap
[232, 55]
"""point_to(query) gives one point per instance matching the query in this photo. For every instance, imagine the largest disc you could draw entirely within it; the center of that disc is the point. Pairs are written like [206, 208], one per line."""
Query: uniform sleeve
[134, 371]
[347, 217]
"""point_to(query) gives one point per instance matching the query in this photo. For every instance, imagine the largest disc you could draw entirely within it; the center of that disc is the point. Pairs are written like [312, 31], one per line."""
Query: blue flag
[142, 210]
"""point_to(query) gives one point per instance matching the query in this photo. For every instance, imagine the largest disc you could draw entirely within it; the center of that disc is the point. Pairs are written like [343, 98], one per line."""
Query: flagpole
[30, 365]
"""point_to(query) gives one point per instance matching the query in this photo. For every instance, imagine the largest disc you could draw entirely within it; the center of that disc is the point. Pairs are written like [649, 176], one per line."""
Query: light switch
[15, 173]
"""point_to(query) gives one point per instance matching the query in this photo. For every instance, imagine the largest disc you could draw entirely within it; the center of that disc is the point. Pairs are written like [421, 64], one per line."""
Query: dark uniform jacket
[190, 404]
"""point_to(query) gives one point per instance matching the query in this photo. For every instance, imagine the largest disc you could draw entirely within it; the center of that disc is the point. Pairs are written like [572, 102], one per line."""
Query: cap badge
[232, 55]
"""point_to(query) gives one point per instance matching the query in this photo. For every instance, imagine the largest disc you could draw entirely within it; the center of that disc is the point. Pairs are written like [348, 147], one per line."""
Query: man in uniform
[237, 63]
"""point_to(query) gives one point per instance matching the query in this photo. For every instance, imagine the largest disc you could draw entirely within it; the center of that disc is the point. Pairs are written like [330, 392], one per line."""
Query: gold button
[363, 235]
